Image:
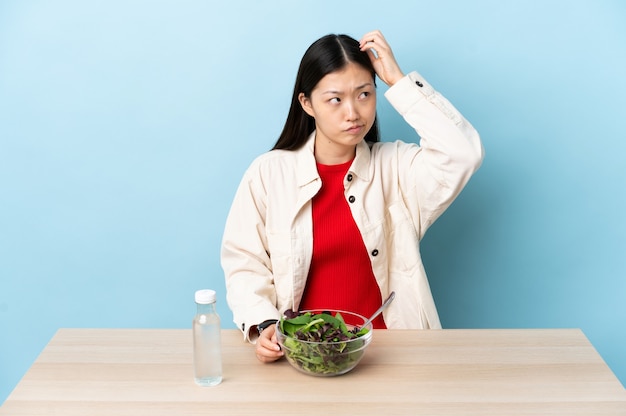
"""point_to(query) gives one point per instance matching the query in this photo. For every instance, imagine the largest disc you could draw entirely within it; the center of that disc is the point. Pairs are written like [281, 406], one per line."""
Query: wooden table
[404, 372]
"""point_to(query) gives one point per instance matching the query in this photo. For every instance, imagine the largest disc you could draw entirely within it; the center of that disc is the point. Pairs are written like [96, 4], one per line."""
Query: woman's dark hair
[328, 54]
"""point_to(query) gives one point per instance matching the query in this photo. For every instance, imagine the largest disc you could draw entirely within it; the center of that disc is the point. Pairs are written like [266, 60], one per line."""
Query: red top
[341, 275]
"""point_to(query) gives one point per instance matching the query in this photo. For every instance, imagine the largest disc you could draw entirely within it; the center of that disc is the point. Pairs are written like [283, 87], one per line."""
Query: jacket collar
[307, 170]
[361, 164]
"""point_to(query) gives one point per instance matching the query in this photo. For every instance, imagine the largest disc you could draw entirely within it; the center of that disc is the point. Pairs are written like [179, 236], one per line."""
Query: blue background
[125, 127]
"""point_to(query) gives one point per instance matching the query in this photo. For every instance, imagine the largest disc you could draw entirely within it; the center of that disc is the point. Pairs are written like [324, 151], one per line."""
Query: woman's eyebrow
[367, 84]
[360, 87]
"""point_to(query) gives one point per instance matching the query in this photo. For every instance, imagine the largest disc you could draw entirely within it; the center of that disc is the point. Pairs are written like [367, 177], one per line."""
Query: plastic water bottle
[207, 353]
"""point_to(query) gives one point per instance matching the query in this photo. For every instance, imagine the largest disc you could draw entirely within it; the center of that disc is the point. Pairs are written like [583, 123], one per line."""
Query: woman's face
[343, 105]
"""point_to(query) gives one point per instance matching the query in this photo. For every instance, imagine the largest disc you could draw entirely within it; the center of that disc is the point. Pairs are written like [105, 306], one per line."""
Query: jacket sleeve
[251, 294]
[449, 153]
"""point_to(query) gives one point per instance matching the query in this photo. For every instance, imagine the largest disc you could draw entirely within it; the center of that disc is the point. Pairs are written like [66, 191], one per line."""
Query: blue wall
[125, 127]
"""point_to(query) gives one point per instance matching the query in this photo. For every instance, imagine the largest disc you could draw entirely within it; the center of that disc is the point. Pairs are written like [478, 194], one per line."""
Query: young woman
[331, 218]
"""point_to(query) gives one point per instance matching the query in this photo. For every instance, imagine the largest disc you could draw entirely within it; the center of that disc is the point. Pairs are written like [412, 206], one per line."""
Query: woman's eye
[364, 94]
[334, 100]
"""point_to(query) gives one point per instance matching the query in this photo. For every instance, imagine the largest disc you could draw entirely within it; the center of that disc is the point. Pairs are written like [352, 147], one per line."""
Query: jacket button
[375, 252]
[351, 199]
[419, 84]
[349, 177]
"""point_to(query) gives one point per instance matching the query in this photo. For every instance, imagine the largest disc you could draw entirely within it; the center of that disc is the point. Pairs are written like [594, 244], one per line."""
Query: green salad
[329, 347]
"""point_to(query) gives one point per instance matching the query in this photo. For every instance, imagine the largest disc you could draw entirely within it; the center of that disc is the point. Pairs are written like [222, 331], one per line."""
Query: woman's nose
[351, 112]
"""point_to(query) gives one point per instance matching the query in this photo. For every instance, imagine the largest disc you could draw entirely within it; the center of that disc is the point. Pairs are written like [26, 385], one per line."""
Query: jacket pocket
[402, 243]
[279, 246]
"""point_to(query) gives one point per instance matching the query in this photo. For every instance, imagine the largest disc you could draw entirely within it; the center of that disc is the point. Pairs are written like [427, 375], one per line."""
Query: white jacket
[399, 190]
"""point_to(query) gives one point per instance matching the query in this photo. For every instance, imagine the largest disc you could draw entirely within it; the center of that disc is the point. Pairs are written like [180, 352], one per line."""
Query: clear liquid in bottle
[207, 353]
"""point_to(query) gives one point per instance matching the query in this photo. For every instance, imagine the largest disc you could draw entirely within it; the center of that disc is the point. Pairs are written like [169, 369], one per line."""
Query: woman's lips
[354, 129]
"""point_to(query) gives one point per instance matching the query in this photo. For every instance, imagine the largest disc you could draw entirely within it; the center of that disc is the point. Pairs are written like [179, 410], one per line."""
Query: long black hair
[328, 54]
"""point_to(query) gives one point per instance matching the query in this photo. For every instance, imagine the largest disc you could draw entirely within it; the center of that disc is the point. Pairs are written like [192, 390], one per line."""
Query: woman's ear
[305, 102]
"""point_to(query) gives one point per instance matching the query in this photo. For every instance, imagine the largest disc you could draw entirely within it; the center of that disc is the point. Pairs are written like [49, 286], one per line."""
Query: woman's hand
[267, 348]
[383, 60]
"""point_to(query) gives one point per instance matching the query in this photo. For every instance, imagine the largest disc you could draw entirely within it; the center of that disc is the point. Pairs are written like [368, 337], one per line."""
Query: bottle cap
[205, 296]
